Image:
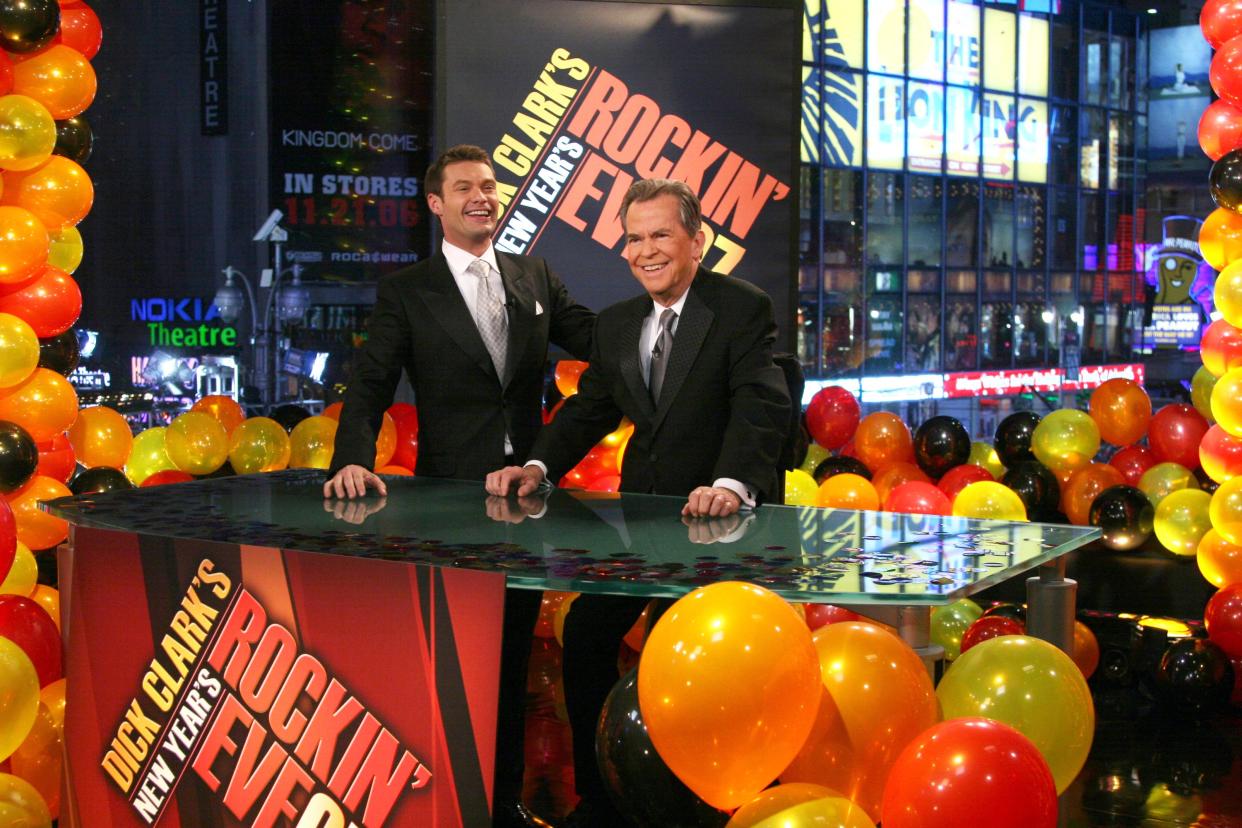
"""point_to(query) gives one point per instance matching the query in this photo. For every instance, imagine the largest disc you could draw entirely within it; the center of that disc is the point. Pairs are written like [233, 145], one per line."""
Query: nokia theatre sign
[190, 322]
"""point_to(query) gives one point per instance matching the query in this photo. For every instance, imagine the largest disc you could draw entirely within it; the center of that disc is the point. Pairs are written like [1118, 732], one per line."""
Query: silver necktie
[490, 315]
[660, 353]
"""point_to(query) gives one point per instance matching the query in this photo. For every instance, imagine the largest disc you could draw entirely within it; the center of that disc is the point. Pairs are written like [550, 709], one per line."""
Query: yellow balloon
[37, 760]
[1227, 293]
[312, 443]
[1162, 479]
[196, 443]
[1227, 402]
[800, 805]
[20, 804]
[1182, 521]
[800, 488]
[147, 456]
[950, 622]
[984, 455]
[27, 133]
[1066, 440]
[1219, 560]
[1220, 238]
[815, 454]
[19, 700]
[65, 248]
[1226, 510]
[100, 436]
[989, 500]
[1031, 686]
[23, 576]
[259, 444]
[19, 349]
[1201, 385]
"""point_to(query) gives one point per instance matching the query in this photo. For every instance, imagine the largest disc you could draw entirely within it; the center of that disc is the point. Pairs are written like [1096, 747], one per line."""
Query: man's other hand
[709, 501]
[504, 510]
[353, 481]
[518, 480]
[354, 512]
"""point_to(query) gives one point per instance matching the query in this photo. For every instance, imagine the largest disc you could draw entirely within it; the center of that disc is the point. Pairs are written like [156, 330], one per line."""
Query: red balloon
[821, 615]
[49, 301]
[832, 417]
[167, 476]
[1221, 20]
[1220, 453]
[959, 477]
[27, 624]
[8, 538]
[1132, 461]
[1220, 129]
[80, 29]
[958, 770]
[1175, 433]
[1223, 618]
[916, 497]
[56, 458]
[405, 417]
[1221, 347]
[990, 626]
[1225, 73]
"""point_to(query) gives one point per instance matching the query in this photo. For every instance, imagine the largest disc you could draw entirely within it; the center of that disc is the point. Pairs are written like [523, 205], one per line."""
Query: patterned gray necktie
[660, 353]
[489, 311]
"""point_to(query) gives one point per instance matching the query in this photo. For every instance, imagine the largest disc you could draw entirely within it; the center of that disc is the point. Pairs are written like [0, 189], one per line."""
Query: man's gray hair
[646, 189]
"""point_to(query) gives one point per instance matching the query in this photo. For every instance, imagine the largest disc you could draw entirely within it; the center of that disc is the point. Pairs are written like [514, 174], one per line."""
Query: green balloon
[949, 624]
[1162, 479]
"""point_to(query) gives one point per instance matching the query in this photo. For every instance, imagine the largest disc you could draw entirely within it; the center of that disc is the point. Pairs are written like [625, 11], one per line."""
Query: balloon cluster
[600, 470]
[739, 705]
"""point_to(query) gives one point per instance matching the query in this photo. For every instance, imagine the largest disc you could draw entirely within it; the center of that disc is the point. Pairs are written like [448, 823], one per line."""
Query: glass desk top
[586, 542]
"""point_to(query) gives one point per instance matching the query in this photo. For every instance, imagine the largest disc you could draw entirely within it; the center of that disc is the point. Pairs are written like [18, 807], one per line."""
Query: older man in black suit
[471, 327]
[690, 363]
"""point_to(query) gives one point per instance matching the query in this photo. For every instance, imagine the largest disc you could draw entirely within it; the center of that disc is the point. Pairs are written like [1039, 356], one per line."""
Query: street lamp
[229, 302]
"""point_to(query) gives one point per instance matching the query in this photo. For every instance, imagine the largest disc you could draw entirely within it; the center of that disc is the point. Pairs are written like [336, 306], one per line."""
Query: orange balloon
[1084, 486]
[878, 697]
[848, 491]
[567, 373]
[1122, 410]
[44, 405]
[729, 683]
[38, 758]
[1220, 238]
[896, 474]
[883, 439]
[101, 437]
[35, 528]
[58, 77]
[58, 192]
[23, 244]
[1086, 652]
[386, 442]
[1219, 560]
[226, 410]
[398, 471]
[333, 412]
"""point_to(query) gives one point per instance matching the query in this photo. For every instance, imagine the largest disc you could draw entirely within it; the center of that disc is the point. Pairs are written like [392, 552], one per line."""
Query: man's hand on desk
[353, 481]
[713, 501]
[508, 510]
[354, 511]
[718, 529]
[519, 480]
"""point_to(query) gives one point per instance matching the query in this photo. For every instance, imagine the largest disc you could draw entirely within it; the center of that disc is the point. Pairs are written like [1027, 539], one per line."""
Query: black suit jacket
[723, 409]
[421, 323]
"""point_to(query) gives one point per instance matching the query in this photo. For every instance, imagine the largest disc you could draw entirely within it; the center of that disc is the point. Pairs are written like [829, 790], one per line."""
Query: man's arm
[570, 326]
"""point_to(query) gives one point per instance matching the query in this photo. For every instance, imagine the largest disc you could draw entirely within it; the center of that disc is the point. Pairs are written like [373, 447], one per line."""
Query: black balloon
[1124, 515]
[641, 786]
[289, 415]
[1194, 676]
[60, 353]
[1037, 486]
[1225, 180]
[1206, 483]
[19, 457]
[840, 465]
[98, 480]
[1007, 610]
[27, 25]
[74, 139]
[1013, 438]
[940, 444]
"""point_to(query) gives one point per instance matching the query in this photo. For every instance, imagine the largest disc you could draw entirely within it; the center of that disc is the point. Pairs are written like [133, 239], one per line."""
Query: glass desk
[893, 567]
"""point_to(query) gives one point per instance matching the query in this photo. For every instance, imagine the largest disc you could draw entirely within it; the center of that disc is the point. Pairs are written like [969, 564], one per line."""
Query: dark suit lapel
[696, 321]
[631, 369]
[440, 293]
[521, 307]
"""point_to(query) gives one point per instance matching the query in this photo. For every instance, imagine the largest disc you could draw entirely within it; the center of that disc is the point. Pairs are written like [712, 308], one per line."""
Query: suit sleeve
[571, 325]
[585, 419]
[759, 405]
[377, 370]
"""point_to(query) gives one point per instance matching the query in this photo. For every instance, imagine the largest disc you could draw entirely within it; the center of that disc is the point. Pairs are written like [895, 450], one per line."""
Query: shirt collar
[459, 259]
[657, 308]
